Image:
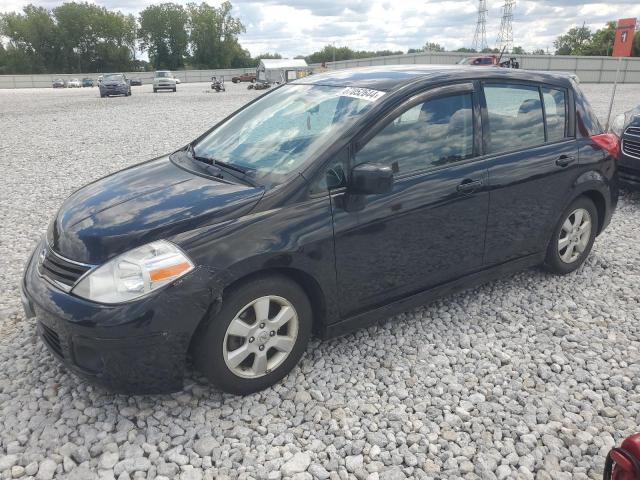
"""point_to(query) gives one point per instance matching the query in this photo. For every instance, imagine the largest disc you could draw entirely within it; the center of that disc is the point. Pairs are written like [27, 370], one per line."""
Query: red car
[490, 60]
[245, 77]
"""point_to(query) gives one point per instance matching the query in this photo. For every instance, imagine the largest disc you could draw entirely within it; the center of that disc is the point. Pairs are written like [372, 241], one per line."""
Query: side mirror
[371, 179]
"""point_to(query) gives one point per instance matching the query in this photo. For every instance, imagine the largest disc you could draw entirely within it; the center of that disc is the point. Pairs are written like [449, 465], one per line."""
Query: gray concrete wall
[588, 69]
[185, 76]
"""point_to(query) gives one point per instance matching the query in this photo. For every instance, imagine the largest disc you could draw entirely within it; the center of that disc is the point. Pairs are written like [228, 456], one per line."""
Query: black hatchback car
[328, 203]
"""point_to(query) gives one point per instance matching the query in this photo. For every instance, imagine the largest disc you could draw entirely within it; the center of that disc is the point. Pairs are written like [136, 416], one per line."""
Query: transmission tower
[480, 37]
[505, 36]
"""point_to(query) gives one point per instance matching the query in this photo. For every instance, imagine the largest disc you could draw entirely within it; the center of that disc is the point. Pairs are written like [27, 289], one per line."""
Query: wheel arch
[594, 186]
[601, 207]
[306, 281]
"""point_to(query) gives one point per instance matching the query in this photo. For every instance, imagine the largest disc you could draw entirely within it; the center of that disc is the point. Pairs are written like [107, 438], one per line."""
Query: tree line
[83, 37]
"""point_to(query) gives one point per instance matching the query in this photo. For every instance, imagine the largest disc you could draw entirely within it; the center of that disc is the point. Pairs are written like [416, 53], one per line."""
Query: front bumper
[119, 90]
[164, 86]
[137, 347]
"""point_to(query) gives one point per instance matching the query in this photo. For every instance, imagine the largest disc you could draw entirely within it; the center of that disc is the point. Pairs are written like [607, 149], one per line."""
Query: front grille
[635, 131]
[52, 339]
[65, 273]
[631, 147]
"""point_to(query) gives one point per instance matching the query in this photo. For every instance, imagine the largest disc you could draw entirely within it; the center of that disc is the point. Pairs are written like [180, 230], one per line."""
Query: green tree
[601, 42]
[214, 35]
[163, 34]
[538, 51]
[329, 52]
[275, 56]
[34, 38]
[574, 42]
[466, 50]
[432, 47]
[518, 51]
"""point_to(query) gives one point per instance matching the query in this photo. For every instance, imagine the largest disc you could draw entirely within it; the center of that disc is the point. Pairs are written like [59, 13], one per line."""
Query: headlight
[618, 125]
[135, 273]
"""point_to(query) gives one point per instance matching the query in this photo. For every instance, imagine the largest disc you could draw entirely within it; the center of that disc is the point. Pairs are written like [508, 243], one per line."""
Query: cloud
[294, 27]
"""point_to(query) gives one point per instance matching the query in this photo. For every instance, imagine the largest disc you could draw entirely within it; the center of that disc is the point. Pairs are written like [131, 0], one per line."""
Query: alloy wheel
[574, 235]
[260, 337]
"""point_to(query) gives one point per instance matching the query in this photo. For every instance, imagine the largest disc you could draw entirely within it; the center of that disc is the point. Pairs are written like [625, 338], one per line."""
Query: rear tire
[572, 237]
[257, 337]
[174, 90]
[155, 90]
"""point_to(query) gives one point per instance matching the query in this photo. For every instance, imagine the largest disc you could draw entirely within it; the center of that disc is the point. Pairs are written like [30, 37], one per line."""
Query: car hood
[151, 201]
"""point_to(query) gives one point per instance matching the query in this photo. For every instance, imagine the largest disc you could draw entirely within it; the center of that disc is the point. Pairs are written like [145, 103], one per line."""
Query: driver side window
[431, 134]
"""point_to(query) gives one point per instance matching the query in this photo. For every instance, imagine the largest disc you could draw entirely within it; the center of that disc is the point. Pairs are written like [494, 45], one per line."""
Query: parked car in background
[114, 84]
[245, 77]
[627, 127]
[87, 82]
[74, 83]
[178, 82]
[321, 206]
[58, 83]
[99, 80]
[135, 82]
[164, 80]
[490, 60]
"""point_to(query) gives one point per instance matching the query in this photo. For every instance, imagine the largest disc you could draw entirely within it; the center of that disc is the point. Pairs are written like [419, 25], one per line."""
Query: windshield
[114, 76]
[275, 136]
[163, 74]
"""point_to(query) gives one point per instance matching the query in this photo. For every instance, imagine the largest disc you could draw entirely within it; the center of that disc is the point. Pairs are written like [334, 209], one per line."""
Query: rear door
[430, 228]
[530, 141]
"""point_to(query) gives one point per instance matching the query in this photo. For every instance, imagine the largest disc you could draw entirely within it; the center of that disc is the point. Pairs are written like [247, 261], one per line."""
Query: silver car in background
[164, 80]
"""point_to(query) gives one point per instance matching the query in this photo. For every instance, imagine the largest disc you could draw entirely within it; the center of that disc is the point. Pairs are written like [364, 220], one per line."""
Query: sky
[300, 27]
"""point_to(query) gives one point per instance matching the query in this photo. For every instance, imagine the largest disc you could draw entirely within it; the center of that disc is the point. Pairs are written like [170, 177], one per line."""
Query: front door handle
[469, 186]
[565, 160]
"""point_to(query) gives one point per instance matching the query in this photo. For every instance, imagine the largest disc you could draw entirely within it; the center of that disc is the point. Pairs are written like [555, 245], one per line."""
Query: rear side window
[515, 117]
[555, 109]
[429, 135]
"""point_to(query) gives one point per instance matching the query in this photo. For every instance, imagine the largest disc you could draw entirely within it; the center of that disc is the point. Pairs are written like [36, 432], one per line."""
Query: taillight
[608, 141]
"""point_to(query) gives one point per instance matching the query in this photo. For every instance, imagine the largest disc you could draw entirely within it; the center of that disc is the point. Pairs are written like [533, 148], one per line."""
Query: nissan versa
[329, 203]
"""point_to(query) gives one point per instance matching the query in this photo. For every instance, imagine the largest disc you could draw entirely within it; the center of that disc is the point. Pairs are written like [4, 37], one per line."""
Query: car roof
[392, 77]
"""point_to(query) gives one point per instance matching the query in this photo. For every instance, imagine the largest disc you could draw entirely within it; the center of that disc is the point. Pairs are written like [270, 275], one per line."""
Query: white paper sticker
[362, 93]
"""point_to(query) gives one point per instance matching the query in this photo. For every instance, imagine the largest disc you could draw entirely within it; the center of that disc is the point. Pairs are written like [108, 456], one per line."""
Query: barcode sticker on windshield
[363, 93]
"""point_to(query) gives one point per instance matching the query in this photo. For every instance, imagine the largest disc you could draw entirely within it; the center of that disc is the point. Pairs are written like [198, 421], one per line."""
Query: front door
[431, 227]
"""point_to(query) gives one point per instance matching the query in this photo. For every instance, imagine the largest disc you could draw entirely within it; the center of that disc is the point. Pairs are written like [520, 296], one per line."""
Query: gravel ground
[533, 376]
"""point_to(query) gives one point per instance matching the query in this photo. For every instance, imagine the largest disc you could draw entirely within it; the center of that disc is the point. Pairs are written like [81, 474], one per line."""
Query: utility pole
[505, 36]
[480, 37]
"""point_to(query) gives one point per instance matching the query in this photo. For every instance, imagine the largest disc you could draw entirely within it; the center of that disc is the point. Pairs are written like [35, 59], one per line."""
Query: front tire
[572, 237]
[257, 337]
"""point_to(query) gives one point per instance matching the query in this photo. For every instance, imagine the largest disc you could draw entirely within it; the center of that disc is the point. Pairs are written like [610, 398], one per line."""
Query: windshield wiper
[233, 170]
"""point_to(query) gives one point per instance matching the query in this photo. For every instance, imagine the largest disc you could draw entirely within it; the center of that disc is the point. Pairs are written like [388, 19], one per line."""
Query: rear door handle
[469, 186]
[565, 160]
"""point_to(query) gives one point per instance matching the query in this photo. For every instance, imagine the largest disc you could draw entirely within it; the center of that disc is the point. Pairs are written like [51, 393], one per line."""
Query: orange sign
[624, 37]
